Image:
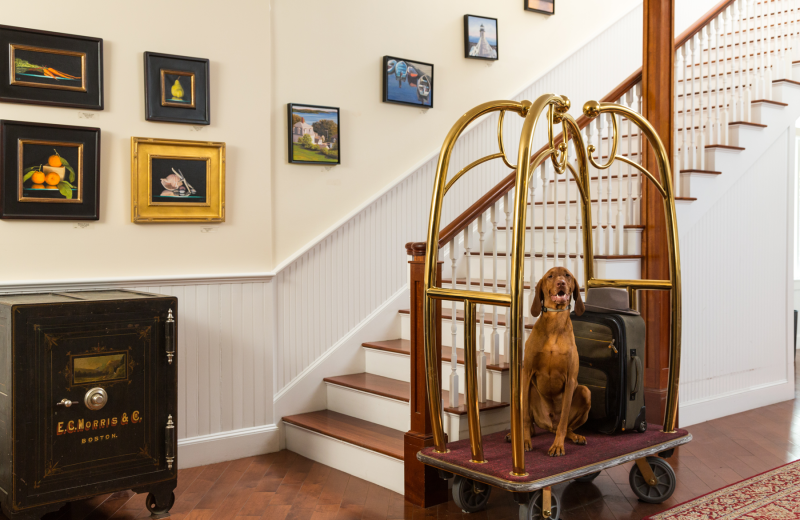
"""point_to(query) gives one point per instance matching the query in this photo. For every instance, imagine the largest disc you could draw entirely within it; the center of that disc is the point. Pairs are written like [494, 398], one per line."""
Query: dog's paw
[508, 437]
[578, 439]
[528, 446]
[556, 450]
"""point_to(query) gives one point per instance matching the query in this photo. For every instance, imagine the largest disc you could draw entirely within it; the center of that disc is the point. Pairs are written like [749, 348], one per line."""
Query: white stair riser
[574, 264]
[617, 184]
[739, 134]
[786, 92]
[566, 237]
[398, 366]
[369, 407]
[365, 464]
[763, 113]
[457, 426]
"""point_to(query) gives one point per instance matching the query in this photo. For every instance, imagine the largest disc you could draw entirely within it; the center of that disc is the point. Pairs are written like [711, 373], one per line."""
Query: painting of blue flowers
[407, 82]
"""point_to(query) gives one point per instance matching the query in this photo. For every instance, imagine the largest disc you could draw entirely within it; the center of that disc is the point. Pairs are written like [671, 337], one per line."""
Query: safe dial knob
[95, 399]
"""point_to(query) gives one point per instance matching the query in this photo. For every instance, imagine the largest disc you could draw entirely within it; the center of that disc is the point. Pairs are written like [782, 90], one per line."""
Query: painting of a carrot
[48, 68]
[23, 67]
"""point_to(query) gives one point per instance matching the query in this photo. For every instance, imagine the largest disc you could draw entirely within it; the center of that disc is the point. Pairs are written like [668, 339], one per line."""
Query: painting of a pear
[177, 89]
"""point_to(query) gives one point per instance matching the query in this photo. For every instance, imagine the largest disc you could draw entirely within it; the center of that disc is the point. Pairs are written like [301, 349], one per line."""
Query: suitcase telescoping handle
[639, 372]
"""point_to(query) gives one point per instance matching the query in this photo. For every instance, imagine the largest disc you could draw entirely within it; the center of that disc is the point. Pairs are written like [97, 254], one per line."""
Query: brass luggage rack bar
[554, 108]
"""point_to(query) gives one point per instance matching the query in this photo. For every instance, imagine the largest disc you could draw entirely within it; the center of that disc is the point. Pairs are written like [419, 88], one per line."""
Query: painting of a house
[314, 132]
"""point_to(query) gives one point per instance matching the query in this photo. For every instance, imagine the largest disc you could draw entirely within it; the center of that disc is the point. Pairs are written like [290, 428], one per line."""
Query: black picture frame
[158, 107]
[526, 5]
[386, 71]
[468, 45]
[291, 141]
[14, 137]
[42, 83]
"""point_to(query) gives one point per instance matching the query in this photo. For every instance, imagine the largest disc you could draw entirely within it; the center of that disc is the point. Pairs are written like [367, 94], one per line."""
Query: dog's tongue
[559, 298]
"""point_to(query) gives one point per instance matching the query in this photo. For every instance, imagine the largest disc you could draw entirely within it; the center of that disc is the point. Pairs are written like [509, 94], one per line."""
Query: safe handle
[66, 403]
[170, 443]
[169, 327]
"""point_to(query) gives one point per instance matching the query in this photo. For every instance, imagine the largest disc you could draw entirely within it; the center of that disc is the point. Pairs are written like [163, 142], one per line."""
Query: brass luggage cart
[477, 464]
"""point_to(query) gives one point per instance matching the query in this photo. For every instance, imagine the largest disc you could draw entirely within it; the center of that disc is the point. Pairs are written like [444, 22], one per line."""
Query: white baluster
[761, 92]
[543, 174]
[568, 217]
[685, 92]
[600, 247]
[482, 313]
[639, 137]
[700, 141]
[495, 356]
[630, 138]
[741, 54]
[453, 333]
[693, 47]
[715, 43]
[722, 83]
[748, 61]
[556, 220]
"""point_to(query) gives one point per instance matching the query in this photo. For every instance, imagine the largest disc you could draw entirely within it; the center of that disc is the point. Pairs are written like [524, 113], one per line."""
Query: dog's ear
[536, 306]
[576, 295]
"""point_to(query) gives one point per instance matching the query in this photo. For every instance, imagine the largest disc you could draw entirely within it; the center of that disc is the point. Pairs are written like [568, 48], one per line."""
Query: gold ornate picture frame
[177, 181]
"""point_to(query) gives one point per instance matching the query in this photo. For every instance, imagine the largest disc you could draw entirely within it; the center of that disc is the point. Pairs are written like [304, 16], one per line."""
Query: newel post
[423, 487]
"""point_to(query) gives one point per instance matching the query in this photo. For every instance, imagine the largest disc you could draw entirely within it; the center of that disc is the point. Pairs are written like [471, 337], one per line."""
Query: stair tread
[594, 226]
[550, 203]
[770, 102]
[709, 172]
[725, 147]
[371, 436]
[400, 390]
[403, 346]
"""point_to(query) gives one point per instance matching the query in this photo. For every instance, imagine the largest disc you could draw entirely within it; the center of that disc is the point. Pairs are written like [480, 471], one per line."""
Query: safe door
[99, 413]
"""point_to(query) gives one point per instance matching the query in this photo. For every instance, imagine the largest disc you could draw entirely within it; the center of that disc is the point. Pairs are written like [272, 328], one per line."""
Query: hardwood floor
[286, 486]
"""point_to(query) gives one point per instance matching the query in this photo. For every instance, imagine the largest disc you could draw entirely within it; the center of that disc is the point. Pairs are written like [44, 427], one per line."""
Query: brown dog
[550, 391]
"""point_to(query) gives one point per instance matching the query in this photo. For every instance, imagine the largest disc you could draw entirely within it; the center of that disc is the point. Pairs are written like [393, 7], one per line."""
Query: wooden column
[658, 84]
[423, 487]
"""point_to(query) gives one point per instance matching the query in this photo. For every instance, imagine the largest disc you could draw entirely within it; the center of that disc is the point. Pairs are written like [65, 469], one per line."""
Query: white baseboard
[224, 446]
[733, 403]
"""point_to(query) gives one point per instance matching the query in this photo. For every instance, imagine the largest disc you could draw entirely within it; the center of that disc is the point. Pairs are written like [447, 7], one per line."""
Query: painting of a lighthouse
[407, 82]
[480, 37]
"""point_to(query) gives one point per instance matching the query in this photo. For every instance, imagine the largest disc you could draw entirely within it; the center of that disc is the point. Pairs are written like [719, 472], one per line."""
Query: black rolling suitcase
[611, 352]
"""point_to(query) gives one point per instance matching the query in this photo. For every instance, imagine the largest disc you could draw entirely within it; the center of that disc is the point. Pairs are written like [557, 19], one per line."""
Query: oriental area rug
[774, 495]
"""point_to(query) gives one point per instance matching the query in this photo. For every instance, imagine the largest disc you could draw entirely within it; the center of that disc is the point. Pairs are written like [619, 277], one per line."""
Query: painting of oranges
[51, 171]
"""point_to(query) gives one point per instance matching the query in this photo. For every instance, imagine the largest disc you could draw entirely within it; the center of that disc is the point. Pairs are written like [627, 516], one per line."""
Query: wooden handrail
[496, 193]
[696, 27]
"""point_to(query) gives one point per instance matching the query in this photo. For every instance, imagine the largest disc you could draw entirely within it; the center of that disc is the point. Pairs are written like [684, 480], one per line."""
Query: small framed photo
[176, 89]
[541, 6]
[48, 68]
[49, 172]
[480, 37]
[407, 82]
[177, 181]
[314, 136]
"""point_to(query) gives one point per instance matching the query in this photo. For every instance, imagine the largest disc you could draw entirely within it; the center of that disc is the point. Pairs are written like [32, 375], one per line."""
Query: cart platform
[600, 452]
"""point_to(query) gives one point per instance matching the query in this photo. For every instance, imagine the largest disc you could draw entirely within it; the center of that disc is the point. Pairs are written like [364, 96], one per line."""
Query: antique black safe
[88, 399]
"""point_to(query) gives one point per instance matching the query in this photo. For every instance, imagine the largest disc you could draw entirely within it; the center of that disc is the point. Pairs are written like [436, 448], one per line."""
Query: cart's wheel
[469, 495]
[662, 490]
[154, 508]
[641, 427]
[587, 478]
[533, 509]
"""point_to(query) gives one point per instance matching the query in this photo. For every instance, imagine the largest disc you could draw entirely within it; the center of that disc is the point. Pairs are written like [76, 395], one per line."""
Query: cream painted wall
[330, 53]
[235, 39]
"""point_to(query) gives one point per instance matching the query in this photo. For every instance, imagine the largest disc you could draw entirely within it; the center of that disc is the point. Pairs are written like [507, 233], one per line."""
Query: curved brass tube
[612, 155]
[471, 166]
[432, 364]
[592, 109]
[500, 144]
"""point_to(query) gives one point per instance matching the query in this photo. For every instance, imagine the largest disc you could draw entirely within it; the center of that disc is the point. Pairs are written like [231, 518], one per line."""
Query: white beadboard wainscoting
[225, 360]
[737, 267]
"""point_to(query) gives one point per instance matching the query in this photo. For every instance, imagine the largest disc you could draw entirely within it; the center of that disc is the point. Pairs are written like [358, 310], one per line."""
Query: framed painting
[176, 89]
[48, 68]
[541, 6]
[314, 136]
[49, 172]
[177, 181]
[407, 82]
[480, 38]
